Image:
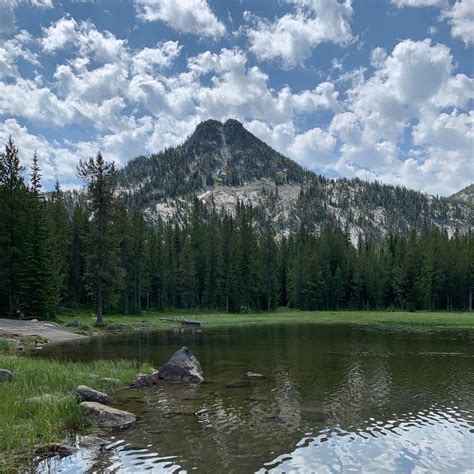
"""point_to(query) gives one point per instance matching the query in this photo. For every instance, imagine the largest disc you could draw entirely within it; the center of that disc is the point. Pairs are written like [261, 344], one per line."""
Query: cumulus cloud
[412, 85]
[102, 46]
[292, 37]
[461, 18]
[14, 49]
[162, 56]
[187, 16]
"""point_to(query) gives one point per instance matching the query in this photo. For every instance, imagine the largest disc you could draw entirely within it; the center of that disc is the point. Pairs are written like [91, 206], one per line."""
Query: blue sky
[379, 89]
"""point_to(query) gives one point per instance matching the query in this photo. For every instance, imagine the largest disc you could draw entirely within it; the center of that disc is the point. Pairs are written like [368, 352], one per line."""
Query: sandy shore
[47, 330]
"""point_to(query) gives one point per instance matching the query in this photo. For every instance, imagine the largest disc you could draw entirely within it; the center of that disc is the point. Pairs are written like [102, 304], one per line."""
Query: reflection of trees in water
[319, 380]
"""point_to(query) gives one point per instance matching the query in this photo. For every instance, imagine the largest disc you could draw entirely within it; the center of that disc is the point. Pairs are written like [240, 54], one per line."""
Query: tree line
[106, 254]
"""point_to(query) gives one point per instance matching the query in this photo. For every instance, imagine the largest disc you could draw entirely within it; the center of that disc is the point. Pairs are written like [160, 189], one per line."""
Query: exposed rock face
[145, 380]
[87, 394]
[182, 367]
[6, 375]
[107, 417]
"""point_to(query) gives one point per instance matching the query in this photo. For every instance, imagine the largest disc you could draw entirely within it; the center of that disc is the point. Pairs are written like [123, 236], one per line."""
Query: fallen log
[183, 322]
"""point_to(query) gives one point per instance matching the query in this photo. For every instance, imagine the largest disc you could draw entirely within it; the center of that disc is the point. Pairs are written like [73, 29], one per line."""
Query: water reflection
[334, 399]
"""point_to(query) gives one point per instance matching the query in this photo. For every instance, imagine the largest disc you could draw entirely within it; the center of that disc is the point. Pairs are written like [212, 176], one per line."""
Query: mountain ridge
[223, 164]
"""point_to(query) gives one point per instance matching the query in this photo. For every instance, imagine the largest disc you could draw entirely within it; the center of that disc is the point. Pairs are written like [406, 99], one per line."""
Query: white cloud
[187, 16]
[412, 85]
[14, 49]
[461, 18]
[54, 160]
[419, 3]
[103, 46]
[292, 37]
[162, 56]
[59, 34]
[7, 16]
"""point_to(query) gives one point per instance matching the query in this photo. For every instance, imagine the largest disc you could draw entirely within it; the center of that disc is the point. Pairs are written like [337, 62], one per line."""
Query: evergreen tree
[14, 218]
[38, 286]
[104, 274]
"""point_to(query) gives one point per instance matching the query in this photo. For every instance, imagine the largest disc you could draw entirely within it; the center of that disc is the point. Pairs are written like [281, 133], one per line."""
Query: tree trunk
[99, 319]
[470, 299]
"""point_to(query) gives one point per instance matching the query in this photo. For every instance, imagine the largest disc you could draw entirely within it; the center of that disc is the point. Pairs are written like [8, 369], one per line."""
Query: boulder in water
[107, 417]
[182, 367]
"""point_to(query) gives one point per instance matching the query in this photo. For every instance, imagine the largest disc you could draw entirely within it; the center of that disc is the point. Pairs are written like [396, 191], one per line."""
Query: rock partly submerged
[87, 394]
[55, 449]
[145, 380]
[182, 367]
[104, 416]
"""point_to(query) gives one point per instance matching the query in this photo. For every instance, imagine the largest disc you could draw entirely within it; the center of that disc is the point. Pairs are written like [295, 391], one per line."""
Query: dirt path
[47, 330]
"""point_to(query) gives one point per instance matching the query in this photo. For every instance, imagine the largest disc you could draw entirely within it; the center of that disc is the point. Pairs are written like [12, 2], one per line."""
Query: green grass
[25, 424]
[152, 319]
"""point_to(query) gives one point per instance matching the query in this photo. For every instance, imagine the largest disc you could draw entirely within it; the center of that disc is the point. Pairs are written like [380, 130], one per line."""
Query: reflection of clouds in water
[327, 400]
[430, 441]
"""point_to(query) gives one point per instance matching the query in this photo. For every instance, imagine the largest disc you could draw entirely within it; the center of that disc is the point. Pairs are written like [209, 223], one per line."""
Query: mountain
[223, 164]
[466, 194]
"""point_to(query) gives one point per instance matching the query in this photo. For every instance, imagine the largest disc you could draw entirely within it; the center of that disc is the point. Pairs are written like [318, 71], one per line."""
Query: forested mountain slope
[223, 164]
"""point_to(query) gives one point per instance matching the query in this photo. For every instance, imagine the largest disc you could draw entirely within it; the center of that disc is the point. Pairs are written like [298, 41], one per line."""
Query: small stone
[55, 449]
[34, 320]
[145, 380]
[253, 375]
[87, 394]
[107, 417]
[6, 375]
[182, 367]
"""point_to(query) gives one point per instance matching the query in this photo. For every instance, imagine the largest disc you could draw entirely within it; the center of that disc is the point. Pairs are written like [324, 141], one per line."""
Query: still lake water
[333, 399]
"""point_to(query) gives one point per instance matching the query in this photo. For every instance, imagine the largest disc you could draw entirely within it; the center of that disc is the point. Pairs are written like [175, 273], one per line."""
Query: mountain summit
[224, 164]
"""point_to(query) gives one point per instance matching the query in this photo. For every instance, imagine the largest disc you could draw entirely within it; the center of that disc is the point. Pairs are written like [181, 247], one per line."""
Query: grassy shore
[151, 320]
[26, 422]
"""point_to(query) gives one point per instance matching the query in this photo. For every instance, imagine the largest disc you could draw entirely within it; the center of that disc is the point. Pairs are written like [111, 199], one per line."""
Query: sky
[377, 89]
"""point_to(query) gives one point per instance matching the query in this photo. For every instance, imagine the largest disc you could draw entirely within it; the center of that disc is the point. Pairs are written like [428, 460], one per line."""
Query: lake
[331, 399]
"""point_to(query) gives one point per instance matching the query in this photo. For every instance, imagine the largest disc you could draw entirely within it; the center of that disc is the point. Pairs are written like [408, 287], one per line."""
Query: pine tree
[38, 288]
[13, 218]
[104, 274]
[59, 232]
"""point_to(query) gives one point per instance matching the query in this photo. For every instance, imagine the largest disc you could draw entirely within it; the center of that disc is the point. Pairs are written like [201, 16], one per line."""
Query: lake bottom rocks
[55, 449]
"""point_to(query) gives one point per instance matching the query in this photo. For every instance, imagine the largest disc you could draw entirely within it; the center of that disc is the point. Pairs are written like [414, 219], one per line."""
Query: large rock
[6, 375]
[182, 367]
[87, 394]
[145, 380]
[107, 417]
